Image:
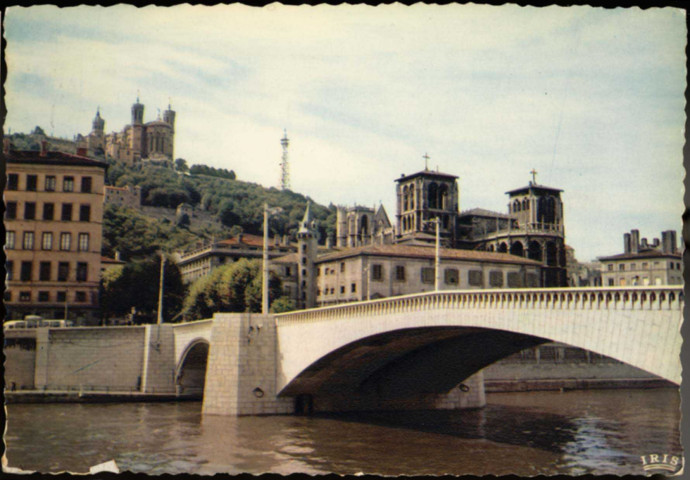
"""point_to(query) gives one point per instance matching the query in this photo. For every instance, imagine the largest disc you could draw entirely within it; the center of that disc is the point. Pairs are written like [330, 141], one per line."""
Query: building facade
[123, 196]
[644, 263]
[200, 260]
[379, 271]
[53, 223]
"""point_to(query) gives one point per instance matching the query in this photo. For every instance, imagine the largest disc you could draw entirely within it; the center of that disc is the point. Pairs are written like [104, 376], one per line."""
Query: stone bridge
[411, 351]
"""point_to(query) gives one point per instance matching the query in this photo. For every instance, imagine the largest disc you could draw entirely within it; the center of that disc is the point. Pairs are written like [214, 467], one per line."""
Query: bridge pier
[241, 371]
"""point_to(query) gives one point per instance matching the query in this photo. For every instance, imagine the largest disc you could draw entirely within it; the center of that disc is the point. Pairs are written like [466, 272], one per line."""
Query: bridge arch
[190, 372]
[463, 325]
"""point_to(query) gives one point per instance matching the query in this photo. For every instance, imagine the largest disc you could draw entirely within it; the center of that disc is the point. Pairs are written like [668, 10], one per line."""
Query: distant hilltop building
[123, 196]
[136, 142]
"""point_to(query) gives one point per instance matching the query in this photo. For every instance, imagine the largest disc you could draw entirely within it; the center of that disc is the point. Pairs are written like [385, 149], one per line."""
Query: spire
[307, 224]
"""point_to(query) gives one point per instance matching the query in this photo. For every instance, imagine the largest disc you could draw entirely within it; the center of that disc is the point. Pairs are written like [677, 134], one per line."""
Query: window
[48, 211]
[65, 241]
[80, 297]
[82, 269]
[10, 238]
[452, 276]
[353, 288]
[28, 241]
[644, 265]
[377, 272]
[44, 271]
[8, 296]
[514, 280]
[428, 275]
[43, 296]
[610, 267]
[47, 241]
[66, 212]
[31, 183]
[50, 183]
[621, 267]
[342, 267]
[9, 267]
[496, 278]
[85, 213]
[532, 280]
[85, 184]
[11, 210]
[475, 278]
[611, 282]
[400, 273]
[12, 181]
[61, 296]
[63, 271]
[25, 272]
[84, 244]
[632, 266]
[68, 184]
[25, 296]
[30, 210]
[342, 289]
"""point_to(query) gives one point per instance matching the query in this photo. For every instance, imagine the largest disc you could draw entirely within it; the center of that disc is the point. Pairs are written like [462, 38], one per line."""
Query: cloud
[591, 98]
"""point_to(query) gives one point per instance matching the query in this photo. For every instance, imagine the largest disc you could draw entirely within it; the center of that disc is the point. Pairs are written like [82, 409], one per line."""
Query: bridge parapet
[669, 297]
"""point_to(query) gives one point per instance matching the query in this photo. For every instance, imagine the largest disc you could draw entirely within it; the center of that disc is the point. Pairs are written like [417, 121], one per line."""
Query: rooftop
[427, 173]
[482, 212]
[410, 251]
[533, 186]
[646, 253]
[51, 158]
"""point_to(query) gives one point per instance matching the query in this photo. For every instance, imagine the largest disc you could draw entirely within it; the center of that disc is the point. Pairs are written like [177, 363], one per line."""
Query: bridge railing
[669, 297]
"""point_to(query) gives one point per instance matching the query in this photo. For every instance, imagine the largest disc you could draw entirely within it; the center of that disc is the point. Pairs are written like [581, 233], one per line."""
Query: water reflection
[524, 433]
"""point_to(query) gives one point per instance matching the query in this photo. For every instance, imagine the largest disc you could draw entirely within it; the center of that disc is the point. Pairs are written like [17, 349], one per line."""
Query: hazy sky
[590, 98]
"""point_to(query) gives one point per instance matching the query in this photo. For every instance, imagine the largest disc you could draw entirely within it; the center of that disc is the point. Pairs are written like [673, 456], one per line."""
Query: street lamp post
[264, 283]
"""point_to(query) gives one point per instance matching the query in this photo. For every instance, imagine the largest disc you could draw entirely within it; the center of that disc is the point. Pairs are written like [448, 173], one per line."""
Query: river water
[576, 432]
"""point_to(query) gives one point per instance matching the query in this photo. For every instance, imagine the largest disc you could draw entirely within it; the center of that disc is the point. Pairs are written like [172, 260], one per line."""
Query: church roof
[158, 123]
[533, 186]
[426, 252]
[427, 173]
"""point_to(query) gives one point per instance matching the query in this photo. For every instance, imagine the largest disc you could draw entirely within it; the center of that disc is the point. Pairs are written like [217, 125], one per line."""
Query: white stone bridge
[411, 351]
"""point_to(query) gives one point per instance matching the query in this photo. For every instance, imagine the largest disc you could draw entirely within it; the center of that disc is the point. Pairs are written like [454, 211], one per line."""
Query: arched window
[364, 226]
[517, 249]
[432, 195]
[443, 197]
[516, 206]
[534, 252]
[525, 204]
[412, 205]
[405, 199]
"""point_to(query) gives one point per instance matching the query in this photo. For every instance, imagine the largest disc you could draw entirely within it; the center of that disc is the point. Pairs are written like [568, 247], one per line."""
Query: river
[576, 432]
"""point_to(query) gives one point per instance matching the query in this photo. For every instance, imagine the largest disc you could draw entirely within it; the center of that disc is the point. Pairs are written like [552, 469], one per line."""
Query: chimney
[655, 243]
[329, 243]
[81, 151]
[626, 243]
[644, 243]
[44, 148]
[634, 241]
[668, 241]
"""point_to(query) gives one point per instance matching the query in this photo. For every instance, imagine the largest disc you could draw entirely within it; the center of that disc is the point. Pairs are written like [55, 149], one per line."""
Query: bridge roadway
[435, 340]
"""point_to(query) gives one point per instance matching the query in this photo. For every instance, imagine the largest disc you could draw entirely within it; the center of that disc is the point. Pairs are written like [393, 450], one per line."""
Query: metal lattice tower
[284, 165]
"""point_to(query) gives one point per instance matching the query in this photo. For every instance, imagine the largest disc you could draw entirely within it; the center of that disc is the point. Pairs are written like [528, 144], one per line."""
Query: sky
[591, 98]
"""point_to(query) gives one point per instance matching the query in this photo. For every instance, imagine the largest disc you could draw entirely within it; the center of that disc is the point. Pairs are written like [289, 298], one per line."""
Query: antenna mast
[284, 166]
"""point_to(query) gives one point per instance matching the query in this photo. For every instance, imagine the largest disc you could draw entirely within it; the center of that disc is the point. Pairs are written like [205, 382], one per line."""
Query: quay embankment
[72, 396]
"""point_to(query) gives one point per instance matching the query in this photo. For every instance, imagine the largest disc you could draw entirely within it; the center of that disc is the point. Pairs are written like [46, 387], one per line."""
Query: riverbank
[61, 396]
[557, 384]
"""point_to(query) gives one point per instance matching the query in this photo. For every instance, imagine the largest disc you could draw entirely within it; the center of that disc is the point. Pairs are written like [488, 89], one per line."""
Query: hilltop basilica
[152, 141]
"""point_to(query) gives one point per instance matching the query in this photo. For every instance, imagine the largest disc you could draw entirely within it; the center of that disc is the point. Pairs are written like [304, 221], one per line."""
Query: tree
[136, 285]
[181, 165]
[235, 287]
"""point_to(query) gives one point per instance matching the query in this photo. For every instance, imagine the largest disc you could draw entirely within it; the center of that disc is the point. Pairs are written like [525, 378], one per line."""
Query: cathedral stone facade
[136, 142]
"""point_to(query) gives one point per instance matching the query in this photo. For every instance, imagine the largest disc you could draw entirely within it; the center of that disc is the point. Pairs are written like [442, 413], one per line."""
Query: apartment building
[53, 225]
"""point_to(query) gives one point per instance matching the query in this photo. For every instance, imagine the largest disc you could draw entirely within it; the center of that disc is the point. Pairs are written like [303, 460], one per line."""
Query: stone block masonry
[241, 371]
